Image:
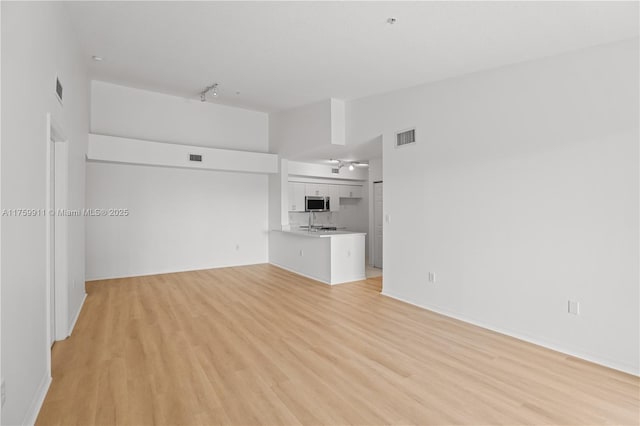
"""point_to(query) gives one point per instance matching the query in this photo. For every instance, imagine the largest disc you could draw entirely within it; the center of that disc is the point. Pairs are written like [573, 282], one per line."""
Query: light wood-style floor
[259, 345]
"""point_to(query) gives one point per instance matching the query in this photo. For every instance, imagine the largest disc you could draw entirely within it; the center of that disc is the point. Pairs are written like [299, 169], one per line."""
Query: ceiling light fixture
[351, 165]
[213, 89]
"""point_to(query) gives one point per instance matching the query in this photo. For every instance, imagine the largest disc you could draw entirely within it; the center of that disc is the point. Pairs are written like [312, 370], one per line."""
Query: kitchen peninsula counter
[332, 257]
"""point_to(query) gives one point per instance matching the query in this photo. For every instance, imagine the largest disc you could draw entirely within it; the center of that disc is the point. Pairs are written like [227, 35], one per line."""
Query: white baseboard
[352, 280]
[298, 273]
[348, 280]
[75, 319]
[172, 271]
[521, 336]
[36, 404]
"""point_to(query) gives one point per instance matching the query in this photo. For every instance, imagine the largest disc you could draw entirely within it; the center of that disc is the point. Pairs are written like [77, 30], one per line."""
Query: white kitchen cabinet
[350, 191]
[316, 190]
[296, 196]
[334, 197]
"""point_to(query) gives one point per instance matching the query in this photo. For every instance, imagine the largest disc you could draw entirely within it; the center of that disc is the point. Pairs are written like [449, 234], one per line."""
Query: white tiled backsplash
[353, 216]
[297, 219]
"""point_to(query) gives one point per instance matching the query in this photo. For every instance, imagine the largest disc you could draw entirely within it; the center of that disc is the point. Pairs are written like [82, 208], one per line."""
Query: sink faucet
[312, 218]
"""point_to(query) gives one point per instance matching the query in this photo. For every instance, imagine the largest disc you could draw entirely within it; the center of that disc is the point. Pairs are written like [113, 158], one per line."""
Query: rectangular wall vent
[406, 137]
[195, 157]
[335, 171]
[59, 89]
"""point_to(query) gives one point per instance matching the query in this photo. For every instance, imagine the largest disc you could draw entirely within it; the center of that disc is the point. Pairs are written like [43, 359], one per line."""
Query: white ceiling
[282, 55]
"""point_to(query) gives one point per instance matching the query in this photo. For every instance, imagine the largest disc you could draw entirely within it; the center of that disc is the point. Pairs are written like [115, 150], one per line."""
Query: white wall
[300, 129]
[278, 197]
[308, 128]
[37, 45]
[179, 219]
[141, 114]
[521, 193]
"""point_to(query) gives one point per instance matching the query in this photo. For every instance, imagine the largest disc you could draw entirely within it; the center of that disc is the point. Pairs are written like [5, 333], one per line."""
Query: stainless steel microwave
[316, 204]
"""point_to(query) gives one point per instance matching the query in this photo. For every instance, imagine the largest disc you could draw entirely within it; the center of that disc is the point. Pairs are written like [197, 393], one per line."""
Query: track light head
[213, 89]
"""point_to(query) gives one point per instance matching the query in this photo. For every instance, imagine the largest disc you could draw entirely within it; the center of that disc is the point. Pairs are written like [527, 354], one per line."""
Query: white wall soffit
[324, 171]
[135, 151]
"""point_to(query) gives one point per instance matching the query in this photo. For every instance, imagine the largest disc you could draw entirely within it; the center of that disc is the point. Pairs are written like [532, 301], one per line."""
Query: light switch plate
[573, 307]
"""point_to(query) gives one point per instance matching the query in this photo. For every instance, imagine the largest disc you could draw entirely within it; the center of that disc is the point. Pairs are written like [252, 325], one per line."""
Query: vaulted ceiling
[278, 55]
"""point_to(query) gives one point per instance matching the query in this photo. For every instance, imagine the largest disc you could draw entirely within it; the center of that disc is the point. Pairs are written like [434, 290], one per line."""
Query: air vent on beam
[335, 171]
[195, 157]
[406, 137]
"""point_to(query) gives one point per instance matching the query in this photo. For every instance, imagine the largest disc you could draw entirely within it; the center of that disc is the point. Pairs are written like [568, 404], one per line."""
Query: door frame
[374, 236]
[56, 251]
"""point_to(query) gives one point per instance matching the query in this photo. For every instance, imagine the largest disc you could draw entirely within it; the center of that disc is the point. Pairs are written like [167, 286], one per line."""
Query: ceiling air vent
[406, 137]
[195, 157]
[335, 171]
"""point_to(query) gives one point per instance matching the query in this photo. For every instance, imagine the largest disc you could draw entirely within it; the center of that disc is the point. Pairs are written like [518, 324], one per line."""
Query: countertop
[318, 234]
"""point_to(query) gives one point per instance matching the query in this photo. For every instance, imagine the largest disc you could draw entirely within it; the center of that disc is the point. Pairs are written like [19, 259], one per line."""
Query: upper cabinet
[316, 190]
[296, 196]
[299, 190]
[328, 190]
[350, 191]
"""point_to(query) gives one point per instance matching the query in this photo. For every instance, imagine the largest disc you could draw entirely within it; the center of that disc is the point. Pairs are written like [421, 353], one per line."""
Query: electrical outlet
[573, 307]
[3, 391]
[301, 252]
[432, 277]
[348, 253]
[387, 218]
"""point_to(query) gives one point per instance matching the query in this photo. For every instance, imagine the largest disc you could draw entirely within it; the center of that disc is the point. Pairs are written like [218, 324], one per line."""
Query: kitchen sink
[318, 228]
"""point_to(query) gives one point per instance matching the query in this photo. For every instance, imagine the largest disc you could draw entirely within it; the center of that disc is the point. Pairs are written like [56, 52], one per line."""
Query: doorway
[56, 229]
[51, 245]
[378, 221]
